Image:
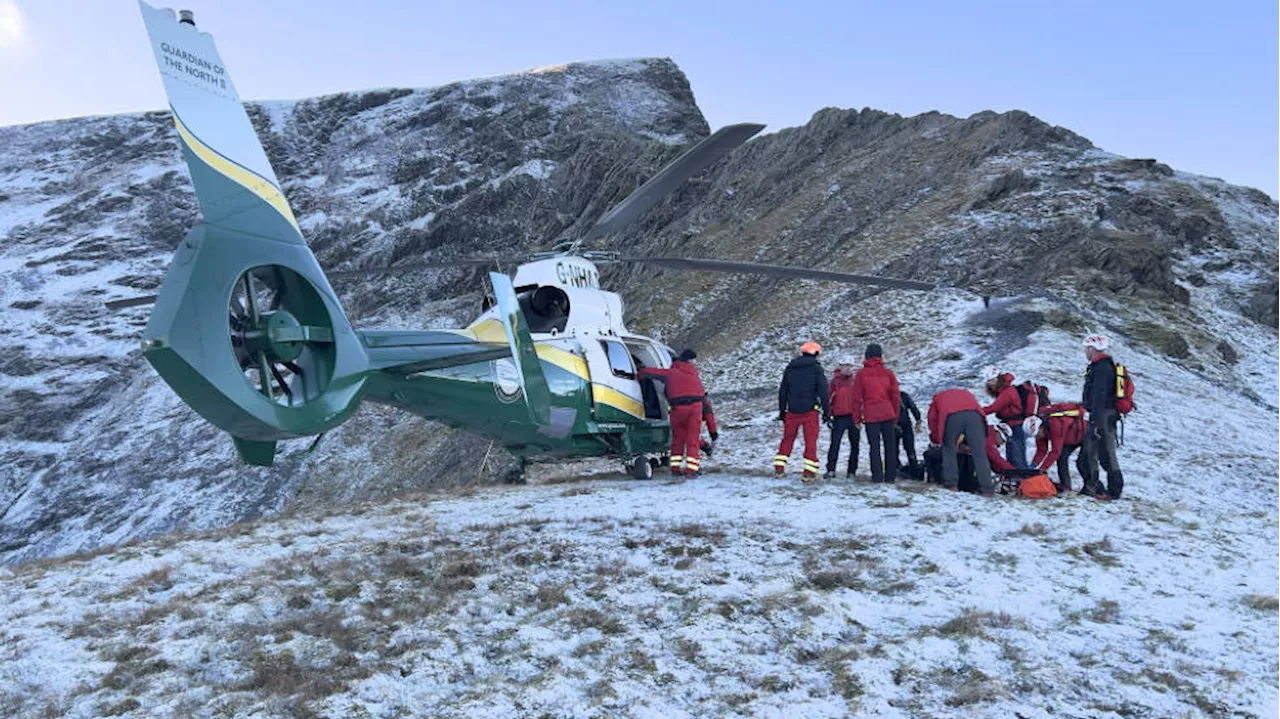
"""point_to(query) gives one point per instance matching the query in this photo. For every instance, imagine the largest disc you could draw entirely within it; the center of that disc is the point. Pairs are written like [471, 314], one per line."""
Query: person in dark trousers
[801, 396]
[907, 434]
[955, 414]
[1008, 408]
[876, 400]
[840, 421]
[1101, 416]
[686, 397]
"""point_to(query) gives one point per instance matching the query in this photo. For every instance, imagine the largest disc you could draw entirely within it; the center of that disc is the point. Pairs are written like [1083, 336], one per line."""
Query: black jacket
[804, 386]
[907, 406]
[1100, 387]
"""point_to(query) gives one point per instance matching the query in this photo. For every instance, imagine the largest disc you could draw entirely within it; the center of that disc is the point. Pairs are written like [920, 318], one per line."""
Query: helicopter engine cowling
[546, 308]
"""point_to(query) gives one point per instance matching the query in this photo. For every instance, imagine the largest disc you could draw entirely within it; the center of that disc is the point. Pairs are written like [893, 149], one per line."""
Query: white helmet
[1031, 425]
[1098, 342]
[990, 372]
[1005, 431]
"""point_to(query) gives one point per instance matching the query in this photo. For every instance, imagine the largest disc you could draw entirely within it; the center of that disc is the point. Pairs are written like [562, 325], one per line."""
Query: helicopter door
[652, 391]
[615, 392]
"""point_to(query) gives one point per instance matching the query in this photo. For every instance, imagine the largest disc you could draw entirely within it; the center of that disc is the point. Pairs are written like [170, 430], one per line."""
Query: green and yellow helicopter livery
[248, 331]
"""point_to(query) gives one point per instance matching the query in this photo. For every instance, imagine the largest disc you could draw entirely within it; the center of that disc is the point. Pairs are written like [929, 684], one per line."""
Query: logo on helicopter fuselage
[506, 381]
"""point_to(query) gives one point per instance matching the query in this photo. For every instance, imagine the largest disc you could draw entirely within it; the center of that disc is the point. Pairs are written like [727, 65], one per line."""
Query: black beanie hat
[687, 355]
[873, 350]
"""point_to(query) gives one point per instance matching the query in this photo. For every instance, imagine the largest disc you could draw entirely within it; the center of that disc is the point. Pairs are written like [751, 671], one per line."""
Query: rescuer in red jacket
[1008, 408]
[953, 413]
[876, 401]
[686, 397]
[1059, 431]
[840, 419]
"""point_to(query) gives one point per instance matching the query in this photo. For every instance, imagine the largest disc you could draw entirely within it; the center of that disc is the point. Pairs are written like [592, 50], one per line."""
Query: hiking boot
[677, 472]
[850, 475]
[1102, 497]
[779, 471]
[693, 475]
[809, 477]
[831, 474]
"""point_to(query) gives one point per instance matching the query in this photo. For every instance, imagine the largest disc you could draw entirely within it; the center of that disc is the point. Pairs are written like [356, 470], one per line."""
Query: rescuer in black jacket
[1100, 433]
[801, 396]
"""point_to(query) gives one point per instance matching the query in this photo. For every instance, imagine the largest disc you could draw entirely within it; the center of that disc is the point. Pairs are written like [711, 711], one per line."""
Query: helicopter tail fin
[246, 328]
[555, 422]
[234, 182]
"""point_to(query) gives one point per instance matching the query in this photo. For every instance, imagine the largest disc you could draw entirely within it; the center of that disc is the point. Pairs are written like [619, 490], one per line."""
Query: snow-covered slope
[735, 595]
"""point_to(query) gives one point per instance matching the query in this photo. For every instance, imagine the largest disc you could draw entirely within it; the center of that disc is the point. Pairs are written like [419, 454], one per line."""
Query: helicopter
[247, 330]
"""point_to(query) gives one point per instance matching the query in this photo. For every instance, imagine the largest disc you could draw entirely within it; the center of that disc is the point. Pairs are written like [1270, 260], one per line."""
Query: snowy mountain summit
[383, 574]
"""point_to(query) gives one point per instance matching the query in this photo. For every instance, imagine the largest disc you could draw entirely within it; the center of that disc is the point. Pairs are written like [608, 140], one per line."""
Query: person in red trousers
[686, 398]
[801, 396]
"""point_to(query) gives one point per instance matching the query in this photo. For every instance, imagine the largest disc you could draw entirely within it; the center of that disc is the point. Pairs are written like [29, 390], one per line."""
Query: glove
[826, 419]
[919, 427]
[897, 430]
[715, 436]
[782, 416]
[707, 448]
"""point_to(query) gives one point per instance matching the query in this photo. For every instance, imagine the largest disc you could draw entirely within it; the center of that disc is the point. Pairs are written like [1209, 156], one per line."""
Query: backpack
[1124, 390]
[1037, 487]
[1033, 397]
[1075, 412]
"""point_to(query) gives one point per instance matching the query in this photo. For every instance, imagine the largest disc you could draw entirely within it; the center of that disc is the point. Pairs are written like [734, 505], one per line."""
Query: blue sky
[1192, 84]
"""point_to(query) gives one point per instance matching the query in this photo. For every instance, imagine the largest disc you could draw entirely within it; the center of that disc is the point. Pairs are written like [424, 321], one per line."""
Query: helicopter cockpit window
[619, 359]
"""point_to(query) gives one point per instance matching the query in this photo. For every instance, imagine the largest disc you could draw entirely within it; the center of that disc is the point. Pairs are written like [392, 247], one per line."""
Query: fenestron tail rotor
[284, 359]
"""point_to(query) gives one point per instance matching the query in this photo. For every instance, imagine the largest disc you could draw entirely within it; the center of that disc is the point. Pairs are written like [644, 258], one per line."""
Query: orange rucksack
[1037, 487]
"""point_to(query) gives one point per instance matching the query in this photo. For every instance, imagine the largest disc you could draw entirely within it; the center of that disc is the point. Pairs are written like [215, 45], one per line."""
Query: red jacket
[709, 415]
[840, 391]
[998, 463]
[1063, 427]
[1008, 404]
[945, 404]
[684, 386]
[875, 393]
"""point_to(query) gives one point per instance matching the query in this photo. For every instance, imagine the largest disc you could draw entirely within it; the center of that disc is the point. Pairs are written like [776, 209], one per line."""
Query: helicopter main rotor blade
[755, 268]
[423, 265]
[344, 274]
[691, 162]
[130, 302]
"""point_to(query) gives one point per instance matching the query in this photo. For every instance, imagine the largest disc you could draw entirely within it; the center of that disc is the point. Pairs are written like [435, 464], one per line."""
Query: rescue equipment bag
[1037, 487]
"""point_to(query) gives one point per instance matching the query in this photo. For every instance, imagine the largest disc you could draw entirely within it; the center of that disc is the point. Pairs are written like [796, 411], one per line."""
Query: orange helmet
[810, 348]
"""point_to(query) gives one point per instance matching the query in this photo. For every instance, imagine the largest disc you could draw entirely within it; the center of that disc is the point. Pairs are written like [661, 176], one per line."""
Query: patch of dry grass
[1101, 552]
[975, 623]
[1262, 602]
[582, 618]
[550, 596]
[841, 577]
